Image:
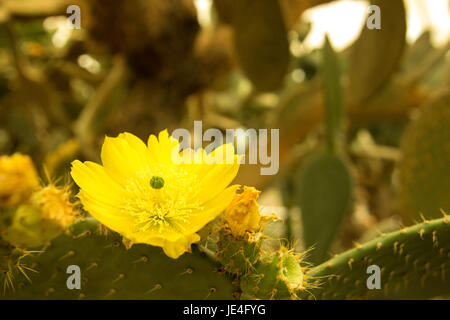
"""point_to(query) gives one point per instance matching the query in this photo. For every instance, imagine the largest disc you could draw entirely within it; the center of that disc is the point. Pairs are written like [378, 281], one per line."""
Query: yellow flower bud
[18, 179]
[49, 213]
[56, 206]
[243, 213]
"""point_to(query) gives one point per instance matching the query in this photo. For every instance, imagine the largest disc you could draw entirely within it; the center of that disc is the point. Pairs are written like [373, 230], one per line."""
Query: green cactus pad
[414, 264]
[277, 276]
[238, 255]
[324, 190]
[109, 271]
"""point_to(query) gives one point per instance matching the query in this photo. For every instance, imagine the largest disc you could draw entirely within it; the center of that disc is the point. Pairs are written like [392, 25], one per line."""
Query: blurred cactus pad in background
[93, 204]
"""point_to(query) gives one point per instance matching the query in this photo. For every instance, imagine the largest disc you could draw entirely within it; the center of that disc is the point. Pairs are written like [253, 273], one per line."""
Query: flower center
[156, 182]
[163, 204]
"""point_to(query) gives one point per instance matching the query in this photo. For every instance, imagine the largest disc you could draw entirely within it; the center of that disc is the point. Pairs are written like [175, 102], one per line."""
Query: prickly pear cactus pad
[414, 263]
[110, 271]
[276, 276]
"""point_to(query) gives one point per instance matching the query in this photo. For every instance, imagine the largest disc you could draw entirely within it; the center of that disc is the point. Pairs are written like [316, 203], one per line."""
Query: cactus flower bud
[243, 212]
[18, 179]
[48, 214]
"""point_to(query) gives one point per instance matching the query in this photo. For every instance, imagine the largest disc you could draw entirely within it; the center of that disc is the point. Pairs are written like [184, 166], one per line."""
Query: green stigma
[156, 182]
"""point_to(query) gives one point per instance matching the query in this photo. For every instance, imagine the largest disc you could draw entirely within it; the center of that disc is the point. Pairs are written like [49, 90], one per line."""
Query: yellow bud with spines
[48, 213]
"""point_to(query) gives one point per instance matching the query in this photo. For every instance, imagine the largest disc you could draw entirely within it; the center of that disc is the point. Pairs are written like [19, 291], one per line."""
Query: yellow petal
[193, 161]
[183, 244]
[172, 247]
[210, 210]
[217, 178]
[138, 145]
[110, 216]
[161, 149]
[93, 179]
[153, 147]
[123, 157]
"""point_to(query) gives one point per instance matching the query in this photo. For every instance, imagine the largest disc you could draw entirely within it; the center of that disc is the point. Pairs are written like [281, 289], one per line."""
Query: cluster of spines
[277, 275]
[238, 254]
[12, 266]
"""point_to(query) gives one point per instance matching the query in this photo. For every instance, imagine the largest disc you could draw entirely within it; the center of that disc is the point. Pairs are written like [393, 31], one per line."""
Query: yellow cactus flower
[18, 179]
[243, 212]
[148, 196]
